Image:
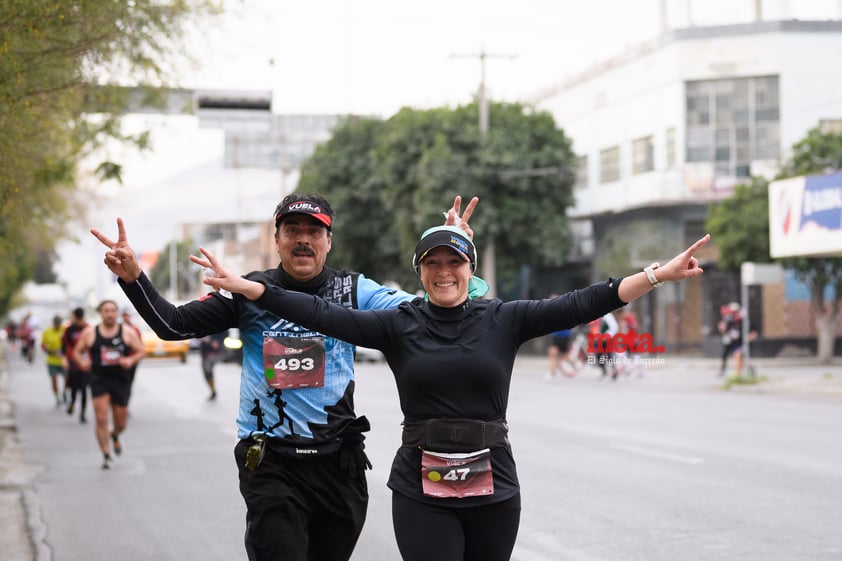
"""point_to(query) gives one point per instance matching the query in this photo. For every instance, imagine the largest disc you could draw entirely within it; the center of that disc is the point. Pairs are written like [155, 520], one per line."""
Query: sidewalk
[794, 376]
[15, 535]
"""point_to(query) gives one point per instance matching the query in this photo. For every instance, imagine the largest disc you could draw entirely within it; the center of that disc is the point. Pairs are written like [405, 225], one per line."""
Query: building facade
[666, 129]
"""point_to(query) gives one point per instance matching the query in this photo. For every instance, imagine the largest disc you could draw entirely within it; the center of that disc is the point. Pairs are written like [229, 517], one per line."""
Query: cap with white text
[302, 206]
[445, 236]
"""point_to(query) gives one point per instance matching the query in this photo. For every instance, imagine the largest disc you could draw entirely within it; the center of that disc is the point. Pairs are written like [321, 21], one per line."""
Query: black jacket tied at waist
[455, 435]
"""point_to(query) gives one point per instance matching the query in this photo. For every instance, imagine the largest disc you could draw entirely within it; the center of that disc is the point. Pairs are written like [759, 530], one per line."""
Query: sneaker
[118, 449]
[70, 409]
[106, 462]
[212, 396]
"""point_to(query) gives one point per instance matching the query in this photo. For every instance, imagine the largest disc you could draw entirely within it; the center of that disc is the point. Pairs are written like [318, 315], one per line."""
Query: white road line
[658, 454]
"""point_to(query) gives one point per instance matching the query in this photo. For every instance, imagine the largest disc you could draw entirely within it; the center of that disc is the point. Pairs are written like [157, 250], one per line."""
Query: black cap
[445, 236]
[303, 206]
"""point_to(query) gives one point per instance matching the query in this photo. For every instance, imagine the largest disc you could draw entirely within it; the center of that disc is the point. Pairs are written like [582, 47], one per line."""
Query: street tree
[185, 279]
[819, 152]
[345, 170]
[413, 162]
[61, 65]
[740, 226]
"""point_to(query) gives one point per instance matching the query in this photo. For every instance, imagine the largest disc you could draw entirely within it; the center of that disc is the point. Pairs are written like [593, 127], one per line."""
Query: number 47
[457, 474]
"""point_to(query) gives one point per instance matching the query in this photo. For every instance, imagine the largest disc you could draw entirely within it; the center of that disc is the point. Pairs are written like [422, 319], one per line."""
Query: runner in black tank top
[108, 352]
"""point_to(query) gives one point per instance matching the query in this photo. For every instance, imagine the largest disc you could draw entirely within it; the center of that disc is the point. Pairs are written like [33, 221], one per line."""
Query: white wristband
[650, 275]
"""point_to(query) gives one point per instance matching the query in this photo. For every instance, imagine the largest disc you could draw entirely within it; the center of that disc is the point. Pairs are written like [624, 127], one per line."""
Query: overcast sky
[374, 57]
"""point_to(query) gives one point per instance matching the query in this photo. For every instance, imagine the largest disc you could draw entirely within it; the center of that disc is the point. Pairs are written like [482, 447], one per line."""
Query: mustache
[301, 248]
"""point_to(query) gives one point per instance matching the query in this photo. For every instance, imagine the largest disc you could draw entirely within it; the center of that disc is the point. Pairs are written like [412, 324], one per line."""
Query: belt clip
[254, 455]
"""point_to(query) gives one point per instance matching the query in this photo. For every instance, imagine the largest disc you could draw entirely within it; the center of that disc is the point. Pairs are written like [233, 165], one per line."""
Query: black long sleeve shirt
[449, 362]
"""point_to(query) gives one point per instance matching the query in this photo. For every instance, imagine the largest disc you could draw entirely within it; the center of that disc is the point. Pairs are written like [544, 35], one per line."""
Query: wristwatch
[650, 275]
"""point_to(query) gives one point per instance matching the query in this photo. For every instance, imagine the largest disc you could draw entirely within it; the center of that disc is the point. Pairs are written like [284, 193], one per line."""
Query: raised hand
[220, 278]
[120, 257]
[681, 267]
[684, 265]
[452, 218]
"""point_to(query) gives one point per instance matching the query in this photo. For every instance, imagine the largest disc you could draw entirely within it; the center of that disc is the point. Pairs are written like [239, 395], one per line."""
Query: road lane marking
[692, 460]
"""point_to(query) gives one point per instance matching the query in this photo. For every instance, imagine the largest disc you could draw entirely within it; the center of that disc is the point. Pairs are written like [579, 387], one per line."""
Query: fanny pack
[455, 435]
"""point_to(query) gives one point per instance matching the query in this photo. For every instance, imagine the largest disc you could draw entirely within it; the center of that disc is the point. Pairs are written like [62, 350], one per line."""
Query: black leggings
[78, 381]
[444, 533]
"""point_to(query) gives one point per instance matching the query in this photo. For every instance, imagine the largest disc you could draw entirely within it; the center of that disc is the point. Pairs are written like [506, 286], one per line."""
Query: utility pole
[173, 269]
[489, 261]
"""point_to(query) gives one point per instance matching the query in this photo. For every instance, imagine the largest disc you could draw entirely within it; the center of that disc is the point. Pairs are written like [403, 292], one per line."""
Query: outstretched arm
[222, 278]
[120, 257]
[357, 327]
[681, 267]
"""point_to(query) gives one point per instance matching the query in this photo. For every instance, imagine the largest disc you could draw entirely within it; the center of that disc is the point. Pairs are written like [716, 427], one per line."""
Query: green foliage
[736, 381]
[343, 171]
[740, 225]
[187, 278]
[818, 152]
[59, 63]
[391, 180]
[16, 267]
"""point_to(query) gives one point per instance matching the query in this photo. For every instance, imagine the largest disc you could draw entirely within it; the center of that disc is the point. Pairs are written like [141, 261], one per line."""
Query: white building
[687, 116]
[665, 129]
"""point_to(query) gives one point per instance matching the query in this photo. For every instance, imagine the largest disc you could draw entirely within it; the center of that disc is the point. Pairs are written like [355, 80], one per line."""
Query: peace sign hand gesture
[452, 218]
[220, 278]
[120, 257]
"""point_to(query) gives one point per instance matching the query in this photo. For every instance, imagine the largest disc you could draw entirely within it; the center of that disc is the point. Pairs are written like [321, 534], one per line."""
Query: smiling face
[445, 275]
[302, 242]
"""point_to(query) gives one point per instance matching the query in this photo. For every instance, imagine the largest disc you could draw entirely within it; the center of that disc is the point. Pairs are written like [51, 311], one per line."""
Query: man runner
[300, 455]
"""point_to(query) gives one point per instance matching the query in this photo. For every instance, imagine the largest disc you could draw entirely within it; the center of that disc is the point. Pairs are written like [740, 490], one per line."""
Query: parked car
[156, 347]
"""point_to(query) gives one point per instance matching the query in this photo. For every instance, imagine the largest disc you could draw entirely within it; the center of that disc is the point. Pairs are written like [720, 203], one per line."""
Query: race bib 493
[290, 362]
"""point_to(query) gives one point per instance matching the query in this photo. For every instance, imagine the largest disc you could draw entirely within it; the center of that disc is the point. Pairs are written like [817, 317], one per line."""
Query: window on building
[830, 126]
[670, 148]
[581, 172]
[609, 165]
[643, 155]
[732, 122]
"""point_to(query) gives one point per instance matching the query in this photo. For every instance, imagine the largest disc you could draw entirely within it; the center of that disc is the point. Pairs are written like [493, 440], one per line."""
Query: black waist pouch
[455, 435]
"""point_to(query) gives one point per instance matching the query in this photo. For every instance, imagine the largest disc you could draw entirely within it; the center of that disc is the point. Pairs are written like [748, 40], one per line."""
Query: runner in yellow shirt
[51, 345]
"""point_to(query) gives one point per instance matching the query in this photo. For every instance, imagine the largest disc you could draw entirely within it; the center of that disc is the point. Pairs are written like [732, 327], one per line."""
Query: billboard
[805, 216]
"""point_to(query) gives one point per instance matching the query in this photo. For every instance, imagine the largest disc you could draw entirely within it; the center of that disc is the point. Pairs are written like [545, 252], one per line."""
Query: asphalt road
[664, 467]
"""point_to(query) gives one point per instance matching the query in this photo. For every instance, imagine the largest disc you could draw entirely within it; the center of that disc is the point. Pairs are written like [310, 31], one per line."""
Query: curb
[15, 492]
